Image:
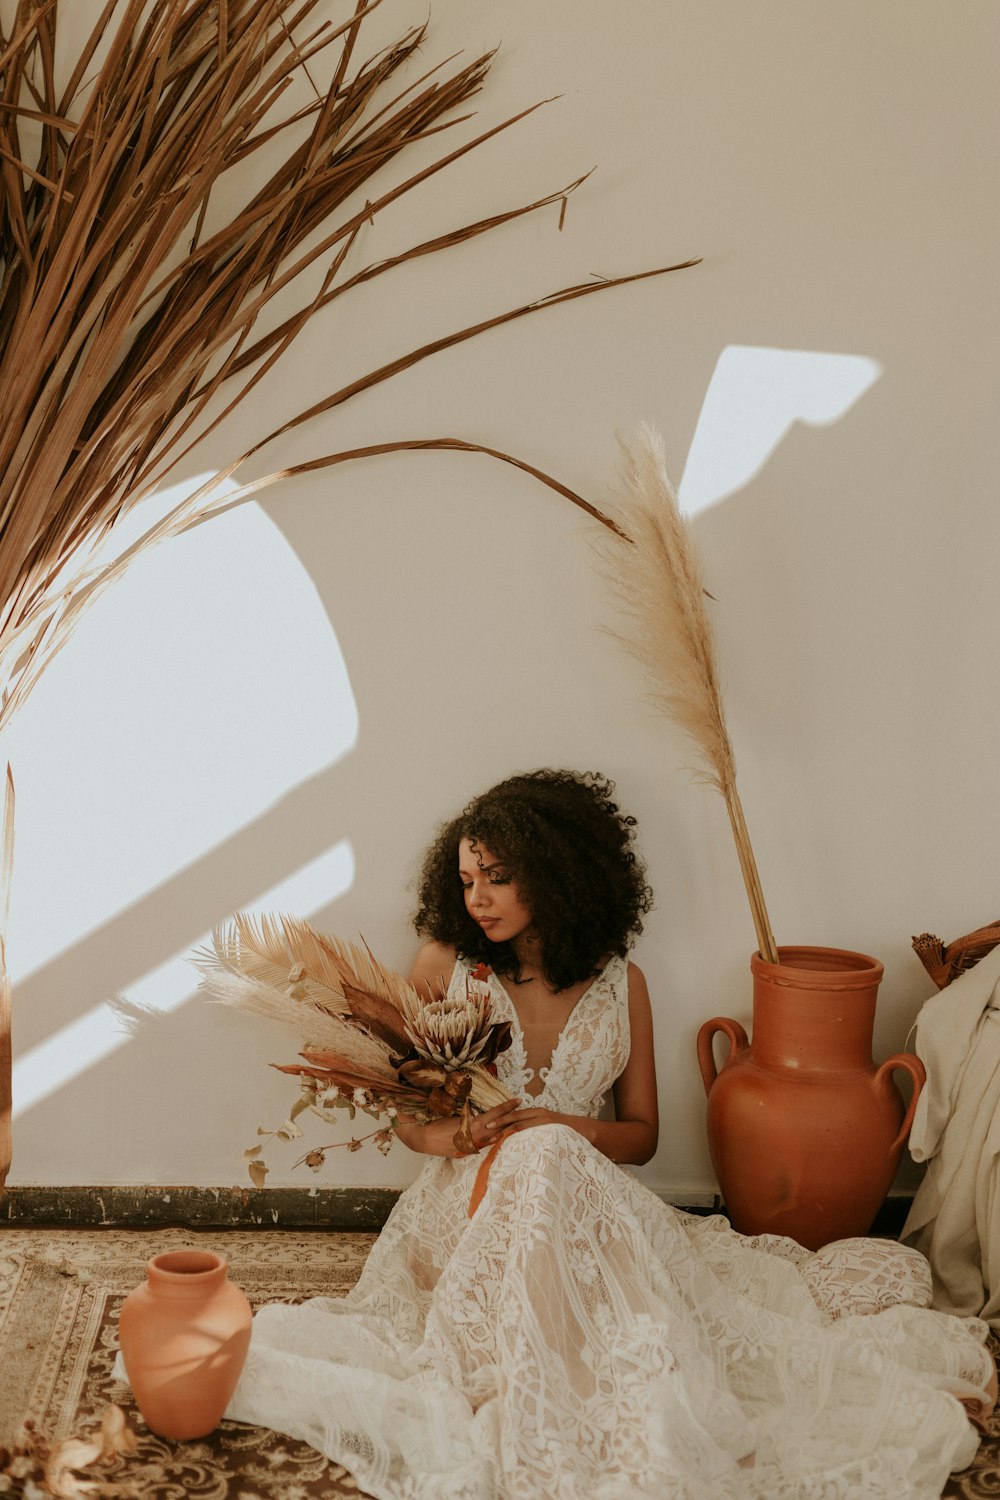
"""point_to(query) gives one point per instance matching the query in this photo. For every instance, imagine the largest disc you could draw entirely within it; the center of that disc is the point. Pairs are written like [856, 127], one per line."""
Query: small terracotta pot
[805, 1132]
[184, 1337]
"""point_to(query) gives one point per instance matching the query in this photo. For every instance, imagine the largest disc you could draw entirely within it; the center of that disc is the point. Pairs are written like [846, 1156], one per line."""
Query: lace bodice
[591, 1052]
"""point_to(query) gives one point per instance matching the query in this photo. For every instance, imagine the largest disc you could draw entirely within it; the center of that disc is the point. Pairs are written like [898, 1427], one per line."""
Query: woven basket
[944, 964]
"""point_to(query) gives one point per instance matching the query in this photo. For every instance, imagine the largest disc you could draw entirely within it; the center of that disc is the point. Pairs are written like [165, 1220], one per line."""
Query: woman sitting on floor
[574, 1336]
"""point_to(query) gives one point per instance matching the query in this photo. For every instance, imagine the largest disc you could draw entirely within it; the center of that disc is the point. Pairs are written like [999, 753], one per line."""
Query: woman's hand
[438, 1138]
[530, 1115]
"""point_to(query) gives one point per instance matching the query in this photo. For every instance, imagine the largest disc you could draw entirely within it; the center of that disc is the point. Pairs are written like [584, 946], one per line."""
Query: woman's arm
[432, 969]
[632, 1135]
[438, 1138]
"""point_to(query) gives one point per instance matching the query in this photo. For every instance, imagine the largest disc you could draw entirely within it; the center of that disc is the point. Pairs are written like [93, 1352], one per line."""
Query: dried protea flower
[456, 1032]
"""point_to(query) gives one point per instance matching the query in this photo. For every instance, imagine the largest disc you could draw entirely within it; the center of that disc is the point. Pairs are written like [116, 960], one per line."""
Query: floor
[60, 1294]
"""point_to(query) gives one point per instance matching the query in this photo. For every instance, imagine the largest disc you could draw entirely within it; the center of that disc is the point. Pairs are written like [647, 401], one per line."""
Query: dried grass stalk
[656, 582]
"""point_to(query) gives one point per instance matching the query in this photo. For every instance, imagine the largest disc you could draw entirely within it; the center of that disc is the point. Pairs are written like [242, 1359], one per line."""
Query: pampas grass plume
[655, 580]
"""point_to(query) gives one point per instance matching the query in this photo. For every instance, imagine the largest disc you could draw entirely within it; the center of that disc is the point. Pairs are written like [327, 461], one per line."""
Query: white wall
[324, 679]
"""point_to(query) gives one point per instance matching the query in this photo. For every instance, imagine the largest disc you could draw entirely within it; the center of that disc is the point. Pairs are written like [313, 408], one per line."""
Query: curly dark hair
[569, 850]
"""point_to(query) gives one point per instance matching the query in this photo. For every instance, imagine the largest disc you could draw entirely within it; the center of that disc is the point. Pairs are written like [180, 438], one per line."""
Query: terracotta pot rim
[850, 968]
[186, 1267]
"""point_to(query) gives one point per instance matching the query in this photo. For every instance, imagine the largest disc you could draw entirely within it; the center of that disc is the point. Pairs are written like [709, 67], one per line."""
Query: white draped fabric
[955, 1217]
[578, 1337]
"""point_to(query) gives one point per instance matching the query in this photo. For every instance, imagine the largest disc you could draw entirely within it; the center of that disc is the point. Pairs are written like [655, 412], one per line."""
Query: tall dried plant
[656, 582]
[131, 300]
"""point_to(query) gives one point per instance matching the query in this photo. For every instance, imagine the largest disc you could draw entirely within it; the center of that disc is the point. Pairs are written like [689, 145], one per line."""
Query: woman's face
[491, 897]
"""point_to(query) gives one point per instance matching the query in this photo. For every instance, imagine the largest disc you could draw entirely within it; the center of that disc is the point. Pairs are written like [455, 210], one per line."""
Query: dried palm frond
[656, 582]
[132, 299]
[285, 957]
[313, 1024]
[279, 951]
[361, 973]
[129, 314]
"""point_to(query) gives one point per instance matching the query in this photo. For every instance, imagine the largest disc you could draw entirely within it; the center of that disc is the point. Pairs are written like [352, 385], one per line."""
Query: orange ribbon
[483, 1174]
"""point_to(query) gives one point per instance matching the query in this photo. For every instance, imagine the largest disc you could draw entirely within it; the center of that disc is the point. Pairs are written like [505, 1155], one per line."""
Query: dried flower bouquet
[370, 1041]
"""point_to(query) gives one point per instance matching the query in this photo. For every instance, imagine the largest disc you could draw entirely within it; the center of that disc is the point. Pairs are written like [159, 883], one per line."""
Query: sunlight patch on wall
[93, 1036]
[197, 692]
[754, 399]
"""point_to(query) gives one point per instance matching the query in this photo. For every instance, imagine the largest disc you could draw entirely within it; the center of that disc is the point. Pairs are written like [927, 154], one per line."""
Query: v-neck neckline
[524, 1074]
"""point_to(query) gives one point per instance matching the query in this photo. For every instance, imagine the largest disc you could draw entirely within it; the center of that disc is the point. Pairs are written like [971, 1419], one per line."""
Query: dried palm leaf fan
[656, 583]
[130, 300]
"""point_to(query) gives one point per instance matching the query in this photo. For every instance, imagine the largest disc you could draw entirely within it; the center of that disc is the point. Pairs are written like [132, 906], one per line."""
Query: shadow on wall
[298, 854]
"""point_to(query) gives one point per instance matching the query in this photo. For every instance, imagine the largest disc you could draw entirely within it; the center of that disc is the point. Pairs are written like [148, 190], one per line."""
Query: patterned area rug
[60, 1294]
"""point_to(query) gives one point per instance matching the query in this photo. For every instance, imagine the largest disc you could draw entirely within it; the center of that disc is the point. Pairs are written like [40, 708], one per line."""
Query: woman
[553, 934]
[533, 1322]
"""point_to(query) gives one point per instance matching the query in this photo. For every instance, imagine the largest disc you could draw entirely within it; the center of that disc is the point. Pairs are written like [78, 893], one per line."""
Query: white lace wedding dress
[577, 1339]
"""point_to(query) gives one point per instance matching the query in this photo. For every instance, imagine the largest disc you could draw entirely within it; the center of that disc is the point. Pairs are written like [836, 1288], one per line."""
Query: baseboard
[224, 1208]
[270, 1208]
[197, 1207]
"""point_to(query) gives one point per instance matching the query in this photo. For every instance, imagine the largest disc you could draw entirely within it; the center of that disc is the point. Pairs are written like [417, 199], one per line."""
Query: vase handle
[917, 1072]
[706, 1057]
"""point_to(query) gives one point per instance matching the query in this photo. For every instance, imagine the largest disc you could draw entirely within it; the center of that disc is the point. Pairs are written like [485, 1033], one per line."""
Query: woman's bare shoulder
[638, 990]
[433, 965]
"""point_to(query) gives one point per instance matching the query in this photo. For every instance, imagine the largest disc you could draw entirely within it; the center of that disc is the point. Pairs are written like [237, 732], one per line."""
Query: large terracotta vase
[184, 1336]
[804, 1130]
